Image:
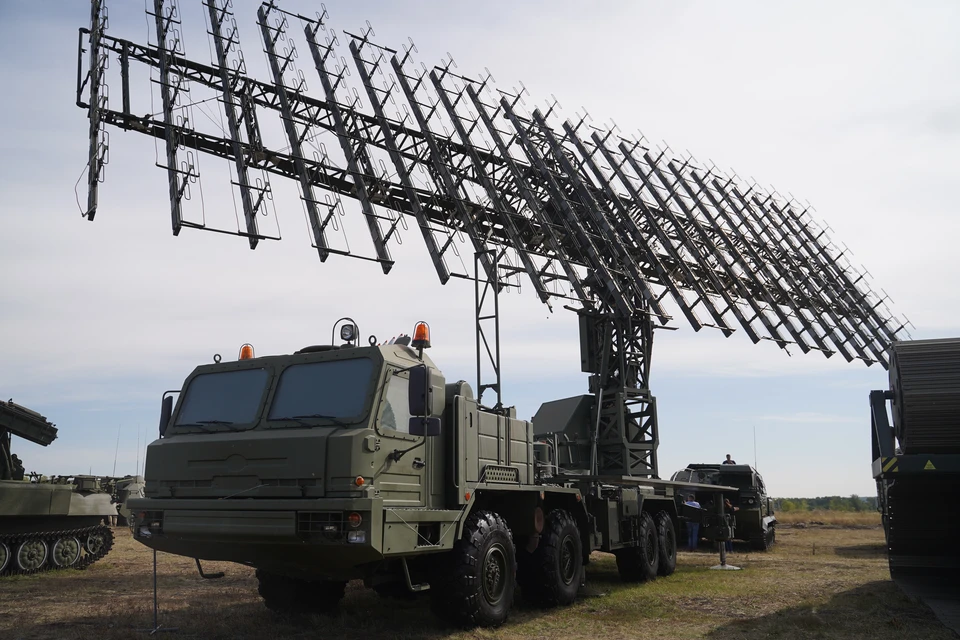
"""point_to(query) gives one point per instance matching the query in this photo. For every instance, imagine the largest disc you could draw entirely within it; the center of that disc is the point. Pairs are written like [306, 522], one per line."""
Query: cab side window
[396, 409]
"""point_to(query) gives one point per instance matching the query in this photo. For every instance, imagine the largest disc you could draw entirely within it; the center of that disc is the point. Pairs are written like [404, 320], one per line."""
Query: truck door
[401, 482]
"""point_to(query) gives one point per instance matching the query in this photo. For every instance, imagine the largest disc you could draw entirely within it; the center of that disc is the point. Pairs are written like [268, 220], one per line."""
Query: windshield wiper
[200, 424]
[334, 419]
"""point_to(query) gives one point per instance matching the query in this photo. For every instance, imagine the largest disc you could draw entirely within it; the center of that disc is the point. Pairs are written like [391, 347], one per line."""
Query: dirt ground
[816, 582]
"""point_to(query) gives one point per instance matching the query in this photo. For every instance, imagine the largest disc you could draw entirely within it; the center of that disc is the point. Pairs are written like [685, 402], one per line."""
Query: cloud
[851, 113]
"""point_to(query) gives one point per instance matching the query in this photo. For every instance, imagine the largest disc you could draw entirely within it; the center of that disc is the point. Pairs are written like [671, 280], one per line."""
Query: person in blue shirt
[693, 528]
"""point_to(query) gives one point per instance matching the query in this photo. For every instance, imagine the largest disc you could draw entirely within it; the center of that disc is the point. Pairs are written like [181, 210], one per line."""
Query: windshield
[334, 389]
[226, 397]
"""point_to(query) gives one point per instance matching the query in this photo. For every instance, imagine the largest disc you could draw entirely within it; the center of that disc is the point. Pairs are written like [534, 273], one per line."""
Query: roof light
[421, 336]
[246, 352]
[348, 333]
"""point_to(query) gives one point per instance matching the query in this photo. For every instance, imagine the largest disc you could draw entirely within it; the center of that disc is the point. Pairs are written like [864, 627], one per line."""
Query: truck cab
[753, 513]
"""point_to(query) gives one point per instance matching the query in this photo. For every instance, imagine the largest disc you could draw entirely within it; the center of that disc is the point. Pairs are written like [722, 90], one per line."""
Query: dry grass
[848, 519]
[817, 582]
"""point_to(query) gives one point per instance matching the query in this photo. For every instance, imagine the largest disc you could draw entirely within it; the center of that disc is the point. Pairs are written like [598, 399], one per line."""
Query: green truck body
[362, 462]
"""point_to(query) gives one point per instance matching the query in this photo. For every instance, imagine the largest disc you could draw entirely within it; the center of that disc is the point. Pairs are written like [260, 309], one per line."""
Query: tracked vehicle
[362, 462]
[754, 518]
[46, 523]
[916, 461]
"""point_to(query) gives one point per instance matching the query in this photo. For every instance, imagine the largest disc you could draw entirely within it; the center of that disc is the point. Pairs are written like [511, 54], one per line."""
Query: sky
[852, 107]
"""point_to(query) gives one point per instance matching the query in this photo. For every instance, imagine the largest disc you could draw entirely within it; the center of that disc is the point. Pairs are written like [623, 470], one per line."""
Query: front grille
[324, 524]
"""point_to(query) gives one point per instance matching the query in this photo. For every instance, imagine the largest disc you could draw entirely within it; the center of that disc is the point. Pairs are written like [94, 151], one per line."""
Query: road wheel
[640, 563]
[31, 555]
[475, 582]
[293, 595]
[4, 556]
[66, 552]
[667, 535]
[550, 576]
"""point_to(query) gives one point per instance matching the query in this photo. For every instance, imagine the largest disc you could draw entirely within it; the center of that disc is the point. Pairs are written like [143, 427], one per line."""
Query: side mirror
[420, 393]
[424, 426]
[166, 408]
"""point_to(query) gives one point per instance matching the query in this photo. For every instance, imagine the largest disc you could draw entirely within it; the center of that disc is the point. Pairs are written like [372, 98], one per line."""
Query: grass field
[816, 582]
[850, 519]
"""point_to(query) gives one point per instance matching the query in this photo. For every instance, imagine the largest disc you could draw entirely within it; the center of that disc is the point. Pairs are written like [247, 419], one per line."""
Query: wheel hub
[568, 560]
[494, 573]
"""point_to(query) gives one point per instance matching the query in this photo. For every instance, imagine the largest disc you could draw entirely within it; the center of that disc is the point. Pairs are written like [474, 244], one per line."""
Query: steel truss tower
[610, 227]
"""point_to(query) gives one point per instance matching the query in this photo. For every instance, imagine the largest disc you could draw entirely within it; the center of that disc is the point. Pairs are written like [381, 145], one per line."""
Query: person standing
[693, 528]
[729, 460]
[733, 510]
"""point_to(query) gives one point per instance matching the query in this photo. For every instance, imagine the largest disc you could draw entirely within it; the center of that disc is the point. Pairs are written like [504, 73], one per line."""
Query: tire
[667, 537]
[474, 584]
[292, 595]
[550, 576]
[641, 563]
[764, 540]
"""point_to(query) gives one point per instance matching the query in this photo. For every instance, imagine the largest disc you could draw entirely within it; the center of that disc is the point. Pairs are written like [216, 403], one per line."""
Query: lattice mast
[605, 224]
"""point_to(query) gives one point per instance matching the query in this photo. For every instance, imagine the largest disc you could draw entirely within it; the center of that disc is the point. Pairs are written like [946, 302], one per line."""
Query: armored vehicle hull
[46, 524]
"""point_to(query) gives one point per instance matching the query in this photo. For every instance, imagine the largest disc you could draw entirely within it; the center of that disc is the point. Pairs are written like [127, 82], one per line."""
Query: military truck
[121, 490]
[753, 513]
[916, 458]
[46, 523]
[342, 462]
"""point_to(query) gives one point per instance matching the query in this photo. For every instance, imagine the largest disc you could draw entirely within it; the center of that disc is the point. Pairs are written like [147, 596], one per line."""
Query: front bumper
[311, 538]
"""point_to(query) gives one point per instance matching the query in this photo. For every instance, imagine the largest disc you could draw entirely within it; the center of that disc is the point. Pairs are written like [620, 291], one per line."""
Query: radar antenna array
[605, 224]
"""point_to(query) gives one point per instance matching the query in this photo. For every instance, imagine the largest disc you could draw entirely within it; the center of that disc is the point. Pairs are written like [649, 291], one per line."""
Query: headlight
[357, 537]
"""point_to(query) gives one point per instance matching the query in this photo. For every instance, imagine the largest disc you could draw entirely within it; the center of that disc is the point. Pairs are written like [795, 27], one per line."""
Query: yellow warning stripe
[889, 462]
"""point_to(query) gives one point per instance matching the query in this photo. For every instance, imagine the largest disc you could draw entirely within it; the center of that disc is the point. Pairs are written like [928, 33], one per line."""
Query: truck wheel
[760, 542]
[550, 576]
[475, 582]
[292, 595]
[640, 563]
[667, 536]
